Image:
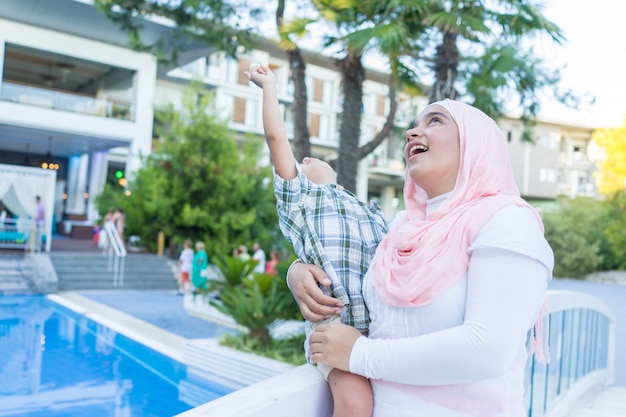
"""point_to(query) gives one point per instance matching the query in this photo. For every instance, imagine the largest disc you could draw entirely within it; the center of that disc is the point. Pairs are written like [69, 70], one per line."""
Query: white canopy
[20, 185]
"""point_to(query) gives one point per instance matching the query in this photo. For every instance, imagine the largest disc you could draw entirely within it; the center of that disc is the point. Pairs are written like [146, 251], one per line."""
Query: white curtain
[77, 184]
[97, 178]
[20, 185]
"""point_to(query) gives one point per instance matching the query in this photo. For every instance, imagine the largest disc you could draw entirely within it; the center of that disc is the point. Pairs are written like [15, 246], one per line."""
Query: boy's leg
[182, 286]
[352, 394]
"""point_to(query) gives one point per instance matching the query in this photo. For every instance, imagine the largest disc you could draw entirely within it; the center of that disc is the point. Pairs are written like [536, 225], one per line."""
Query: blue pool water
[57, 363]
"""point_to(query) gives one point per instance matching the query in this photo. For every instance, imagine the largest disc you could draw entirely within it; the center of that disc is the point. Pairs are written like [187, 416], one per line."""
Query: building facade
[75, 98]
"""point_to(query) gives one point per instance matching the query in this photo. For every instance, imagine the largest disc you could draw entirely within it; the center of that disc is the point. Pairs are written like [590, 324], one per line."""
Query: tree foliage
[200, 183]
[255, 301]
[219, 23]
[612, 176]
[470, 49]
[464, 49]
[576, 236]
[615, 232]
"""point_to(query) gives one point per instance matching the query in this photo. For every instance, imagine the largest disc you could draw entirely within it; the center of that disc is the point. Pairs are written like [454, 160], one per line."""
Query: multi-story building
[73, 93]
[556, 163]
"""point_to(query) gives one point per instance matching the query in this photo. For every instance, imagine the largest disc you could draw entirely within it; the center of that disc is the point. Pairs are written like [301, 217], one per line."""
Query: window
[550, 140]
[318, 91]
[320, 127]
[314, 124]
[213, 65]
[244, 65]
[381, 105]
[548, 175]
[233, 74]
[239, 110]
[321, 90]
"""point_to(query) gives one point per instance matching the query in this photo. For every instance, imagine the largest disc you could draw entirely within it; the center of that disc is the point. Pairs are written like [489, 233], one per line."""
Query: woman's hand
[331, 344]
[314, 305]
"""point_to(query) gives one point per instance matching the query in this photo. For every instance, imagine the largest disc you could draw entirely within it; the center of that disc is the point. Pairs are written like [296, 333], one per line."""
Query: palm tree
[493, 32]
[301, 134]
[364, 27]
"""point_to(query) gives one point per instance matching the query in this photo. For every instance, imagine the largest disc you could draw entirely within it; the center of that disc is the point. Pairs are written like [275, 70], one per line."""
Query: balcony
[65, 101]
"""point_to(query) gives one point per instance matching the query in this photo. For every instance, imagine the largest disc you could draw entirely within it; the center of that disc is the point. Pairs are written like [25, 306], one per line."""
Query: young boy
[185, 261]
[327, 225]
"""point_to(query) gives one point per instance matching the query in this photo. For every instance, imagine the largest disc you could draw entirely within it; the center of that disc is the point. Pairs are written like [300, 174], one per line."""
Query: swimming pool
[56, 363]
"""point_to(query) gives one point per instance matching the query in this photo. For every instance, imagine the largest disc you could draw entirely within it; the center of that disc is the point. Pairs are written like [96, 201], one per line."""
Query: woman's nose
[413, 132]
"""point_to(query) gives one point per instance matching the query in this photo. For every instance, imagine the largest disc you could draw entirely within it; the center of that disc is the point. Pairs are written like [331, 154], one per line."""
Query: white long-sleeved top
[464, 354]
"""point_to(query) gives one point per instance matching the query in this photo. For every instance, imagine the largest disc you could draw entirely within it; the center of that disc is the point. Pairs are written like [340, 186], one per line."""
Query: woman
[199, 267]
[272, 263]
[455, 285]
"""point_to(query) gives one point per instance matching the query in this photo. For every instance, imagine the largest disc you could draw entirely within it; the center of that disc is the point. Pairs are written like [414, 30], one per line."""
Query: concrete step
[15, 275]
[94, 271]
[120, 284]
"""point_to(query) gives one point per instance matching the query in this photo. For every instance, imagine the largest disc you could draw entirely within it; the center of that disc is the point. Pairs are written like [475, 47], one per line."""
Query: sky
[595, 59]
[592, 58]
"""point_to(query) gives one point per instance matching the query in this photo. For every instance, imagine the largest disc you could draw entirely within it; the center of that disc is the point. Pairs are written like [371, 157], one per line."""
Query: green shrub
[255, 301]
[576, 236]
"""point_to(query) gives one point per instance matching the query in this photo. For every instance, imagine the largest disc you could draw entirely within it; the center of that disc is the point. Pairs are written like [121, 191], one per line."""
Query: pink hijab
[422, 257]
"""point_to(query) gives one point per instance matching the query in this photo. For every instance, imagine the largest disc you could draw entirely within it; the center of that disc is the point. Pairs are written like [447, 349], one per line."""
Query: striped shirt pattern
[330, 227]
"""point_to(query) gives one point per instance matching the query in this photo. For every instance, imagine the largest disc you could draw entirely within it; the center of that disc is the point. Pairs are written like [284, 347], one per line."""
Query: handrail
[114, 241]
[582, 350]
[18, 233]
[71, 101]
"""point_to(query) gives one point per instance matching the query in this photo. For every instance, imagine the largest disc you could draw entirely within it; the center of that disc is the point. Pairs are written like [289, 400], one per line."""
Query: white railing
[116, 251]
[67, 101]
[114, 241]
[582, 349]
[18, 233]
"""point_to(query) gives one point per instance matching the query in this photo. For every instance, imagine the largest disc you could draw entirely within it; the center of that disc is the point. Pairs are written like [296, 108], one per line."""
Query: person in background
[199, 268]
[103, 240]
[185, 262]
[243, 253]
[119, 219]
[272, 263]
[40, 212]
[40, 221]
[455, 286]
[259, 256]
[329, 226]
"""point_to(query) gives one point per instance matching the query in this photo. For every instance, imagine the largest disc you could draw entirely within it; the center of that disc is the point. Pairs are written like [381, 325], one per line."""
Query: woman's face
[432, 151]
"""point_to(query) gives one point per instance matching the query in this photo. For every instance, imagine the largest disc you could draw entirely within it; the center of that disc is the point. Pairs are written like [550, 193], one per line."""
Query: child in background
[185, 261]
[328, 226]
[272, 263]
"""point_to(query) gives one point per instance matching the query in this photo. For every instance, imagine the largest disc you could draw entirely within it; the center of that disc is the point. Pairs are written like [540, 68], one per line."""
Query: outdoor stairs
[15, 275]
[97, 271]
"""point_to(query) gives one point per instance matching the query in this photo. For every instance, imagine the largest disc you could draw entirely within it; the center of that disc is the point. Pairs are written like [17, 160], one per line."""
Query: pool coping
[203, 356]
[152, 336]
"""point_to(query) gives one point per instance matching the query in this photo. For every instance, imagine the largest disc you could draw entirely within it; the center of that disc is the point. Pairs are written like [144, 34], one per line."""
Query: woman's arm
[505, 292]
[314, 305]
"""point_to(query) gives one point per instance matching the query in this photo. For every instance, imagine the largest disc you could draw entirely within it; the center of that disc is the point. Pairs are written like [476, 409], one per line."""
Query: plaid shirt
[329, 227]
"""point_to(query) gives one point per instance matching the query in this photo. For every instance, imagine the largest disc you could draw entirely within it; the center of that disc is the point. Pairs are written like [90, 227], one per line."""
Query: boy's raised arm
[275, 132]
